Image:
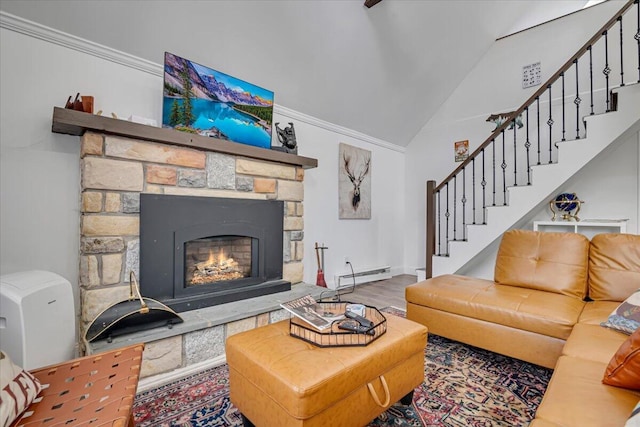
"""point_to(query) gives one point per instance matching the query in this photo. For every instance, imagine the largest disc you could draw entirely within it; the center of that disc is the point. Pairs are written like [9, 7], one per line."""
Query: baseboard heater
[362, 275]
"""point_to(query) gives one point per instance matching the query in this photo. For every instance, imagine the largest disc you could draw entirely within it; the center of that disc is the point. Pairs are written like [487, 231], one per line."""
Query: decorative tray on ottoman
[333, 336]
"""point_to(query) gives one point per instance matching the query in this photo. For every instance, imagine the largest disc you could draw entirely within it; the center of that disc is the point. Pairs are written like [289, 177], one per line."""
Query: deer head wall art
[354, 183]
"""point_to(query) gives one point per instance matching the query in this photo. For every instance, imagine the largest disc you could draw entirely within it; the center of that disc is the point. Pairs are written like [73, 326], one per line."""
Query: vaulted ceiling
[382, 71]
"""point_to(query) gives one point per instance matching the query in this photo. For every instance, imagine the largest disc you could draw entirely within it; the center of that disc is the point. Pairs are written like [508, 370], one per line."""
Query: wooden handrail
[539, 92]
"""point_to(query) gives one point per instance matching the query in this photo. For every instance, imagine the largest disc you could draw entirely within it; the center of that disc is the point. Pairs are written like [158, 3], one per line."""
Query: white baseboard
[362, 275]
[150, 383]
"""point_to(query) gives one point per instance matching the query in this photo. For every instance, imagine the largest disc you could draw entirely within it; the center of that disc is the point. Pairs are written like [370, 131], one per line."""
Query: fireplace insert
[202, 251]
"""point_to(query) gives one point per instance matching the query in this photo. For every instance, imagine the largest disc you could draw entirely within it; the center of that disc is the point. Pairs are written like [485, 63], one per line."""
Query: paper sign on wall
[531, 75]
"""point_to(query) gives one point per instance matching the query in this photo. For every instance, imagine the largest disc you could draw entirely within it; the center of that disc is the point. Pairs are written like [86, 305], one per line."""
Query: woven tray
[335, 337]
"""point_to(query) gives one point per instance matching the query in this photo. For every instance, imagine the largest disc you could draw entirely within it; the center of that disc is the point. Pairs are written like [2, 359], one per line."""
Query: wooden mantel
[73, 122]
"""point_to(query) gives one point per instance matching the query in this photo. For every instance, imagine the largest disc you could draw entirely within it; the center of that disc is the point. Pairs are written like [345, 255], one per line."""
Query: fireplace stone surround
[117, 169]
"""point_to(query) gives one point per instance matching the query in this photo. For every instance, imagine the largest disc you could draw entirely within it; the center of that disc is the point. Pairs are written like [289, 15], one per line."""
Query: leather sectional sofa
[550, 293]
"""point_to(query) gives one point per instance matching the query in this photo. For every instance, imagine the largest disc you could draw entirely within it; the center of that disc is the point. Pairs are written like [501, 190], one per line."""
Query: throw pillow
[18, 388]
[626, 317]
[634, 418]
[624, 368]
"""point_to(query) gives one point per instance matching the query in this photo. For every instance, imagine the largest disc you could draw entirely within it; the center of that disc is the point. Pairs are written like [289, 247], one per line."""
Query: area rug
[463, 386]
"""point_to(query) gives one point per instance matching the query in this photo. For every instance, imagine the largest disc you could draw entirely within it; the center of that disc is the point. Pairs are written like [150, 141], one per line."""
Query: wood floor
[382, 293]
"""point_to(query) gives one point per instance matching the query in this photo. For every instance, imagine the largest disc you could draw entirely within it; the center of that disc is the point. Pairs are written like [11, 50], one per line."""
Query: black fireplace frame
[168, 222]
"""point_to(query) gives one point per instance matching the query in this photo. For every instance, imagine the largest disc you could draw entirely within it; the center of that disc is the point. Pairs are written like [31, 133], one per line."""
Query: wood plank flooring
[382, 293]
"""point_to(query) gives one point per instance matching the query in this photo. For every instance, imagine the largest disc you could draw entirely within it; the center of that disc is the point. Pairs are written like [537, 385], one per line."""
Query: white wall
[494, 86]
[368, 243]
[39, 170]
[40, 179]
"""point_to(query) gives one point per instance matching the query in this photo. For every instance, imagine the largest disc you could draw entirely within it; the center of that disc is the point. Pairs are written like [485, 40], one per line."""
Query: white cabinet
[588, 227]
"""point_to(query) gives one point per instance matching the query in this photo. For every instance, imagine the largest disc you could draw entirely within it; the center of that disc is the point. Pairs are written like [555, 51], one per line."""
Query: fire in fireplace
[202, 251]
[216, 259]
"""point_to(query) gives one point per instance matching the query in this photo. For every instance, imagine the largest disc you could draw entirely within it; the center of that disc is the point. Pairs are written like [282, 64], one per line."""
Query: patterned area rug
[464, 386]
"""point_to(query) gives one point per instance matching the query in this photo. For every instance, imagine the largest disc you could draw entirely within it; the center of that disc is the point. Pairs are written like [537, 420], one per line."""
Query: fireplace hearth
[197, 252]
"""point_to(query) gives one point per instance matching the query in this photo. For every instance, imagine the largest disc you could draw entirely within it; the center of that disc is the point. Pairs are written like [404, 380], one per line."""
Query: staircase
[517, 170]
[604, 131]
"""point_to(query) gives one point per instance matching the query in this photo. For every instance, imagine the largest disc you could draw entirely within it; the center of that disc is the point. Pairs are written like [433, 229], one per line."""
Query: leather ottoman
[279, 380]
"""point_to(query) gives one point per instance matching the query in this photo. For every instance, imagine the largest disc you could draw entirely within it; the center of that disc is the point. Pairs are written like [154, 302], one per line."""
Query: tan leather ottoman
[279, 380]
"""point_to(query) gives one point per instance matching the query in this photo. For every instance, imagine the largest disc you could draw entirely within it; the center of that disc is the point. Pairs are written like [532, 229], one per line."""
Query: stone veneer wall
[115, 171]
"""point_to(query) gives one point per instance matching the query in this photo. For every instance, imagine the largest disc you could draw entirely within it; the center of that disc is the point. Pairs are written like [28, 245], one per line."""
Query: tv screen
[204, 101]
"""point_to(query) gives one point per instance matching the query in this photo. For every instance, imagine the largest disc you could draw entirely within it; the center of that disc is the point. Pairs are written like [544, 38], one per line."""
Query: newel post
[430, 231]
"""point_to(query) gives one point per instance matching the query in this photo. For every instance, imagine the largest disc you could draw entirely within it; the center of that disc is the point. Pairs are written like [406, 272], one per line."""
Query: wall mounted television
[198, 99]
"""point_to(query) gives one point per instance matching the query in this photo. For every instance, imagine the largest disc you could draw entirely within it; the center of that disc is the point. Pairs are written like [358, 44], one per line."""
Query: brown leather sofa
[549, 295]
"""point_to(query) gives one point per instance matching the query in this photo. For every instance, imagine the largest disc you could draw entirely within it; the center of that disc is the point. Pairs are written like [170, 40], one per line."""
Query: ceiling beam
[371, 3]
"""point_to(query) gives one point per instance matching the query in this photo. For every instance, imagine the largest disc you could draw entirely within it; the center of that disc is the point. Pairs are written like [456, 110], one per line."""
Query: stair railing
[527, 135]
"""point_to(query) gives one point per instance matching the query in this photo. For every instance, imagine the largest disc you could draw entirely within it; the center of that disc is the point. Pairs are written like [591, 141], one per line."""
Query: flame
[222, 257]
[216, 260]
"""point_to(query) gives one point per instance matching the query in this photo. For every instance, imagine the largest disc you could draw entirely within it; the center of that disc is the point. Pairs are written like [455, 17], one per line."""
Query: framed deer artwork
[354, 183]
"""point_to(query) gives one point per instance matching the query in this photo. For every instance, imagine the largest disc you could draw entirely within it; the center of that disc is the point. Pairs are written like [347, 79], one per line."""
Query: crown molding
[51, 35]
[293, 114]
[60, 38]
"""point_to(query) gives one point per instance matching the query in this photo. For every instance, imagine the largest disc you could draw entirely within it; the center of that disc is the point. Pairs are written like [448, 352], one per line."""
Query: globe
[566, 202]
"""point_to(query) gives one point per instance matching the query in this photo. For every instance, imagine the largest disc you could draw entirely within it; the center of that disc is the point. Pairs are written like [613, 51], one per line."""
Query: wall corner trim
[60, 38]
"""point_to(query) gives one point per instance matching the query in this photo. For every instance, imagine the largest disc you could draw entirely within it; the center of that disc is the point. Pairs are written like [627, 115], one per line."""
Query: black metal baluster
[591, 75]
[503, 165]
[464, 204]
[493, 146]
[577, 102]
[621, 54]
[515, 156]
[439, 225]
[606, 69]
[446, 230]
[538, 119]
[562, 74]
[637, 36]
[550, 123]
[527, 145]
[484, 193]
[455, 205]
[473, 187]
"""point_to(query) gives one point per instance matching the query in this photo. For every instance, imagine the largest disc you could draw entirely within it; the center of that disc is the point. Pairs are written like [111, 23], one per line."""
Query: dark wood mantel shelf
[73, 122]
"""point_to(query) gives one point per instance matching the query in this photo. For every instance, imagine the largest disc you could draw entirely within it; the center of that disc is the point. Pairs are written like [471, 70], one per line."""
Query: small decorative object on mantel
[566, 202]
[80, 103]
[499, 118]
[287, 137]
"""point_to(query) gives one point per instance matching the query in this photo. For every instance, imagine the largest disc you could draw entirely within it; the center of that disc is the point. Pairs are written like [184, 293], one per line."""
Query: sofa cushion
[626, 317]
[614, 266]
[552, 262]
[624, 368]
[596, 312]
[545, 313]
[576, 396]
[580, 343]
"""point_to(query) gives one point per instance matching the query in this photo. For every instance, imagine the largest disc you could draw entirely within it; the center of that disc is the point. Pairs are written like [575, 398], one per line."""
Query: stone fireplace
[123, 166]
[116, 171]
